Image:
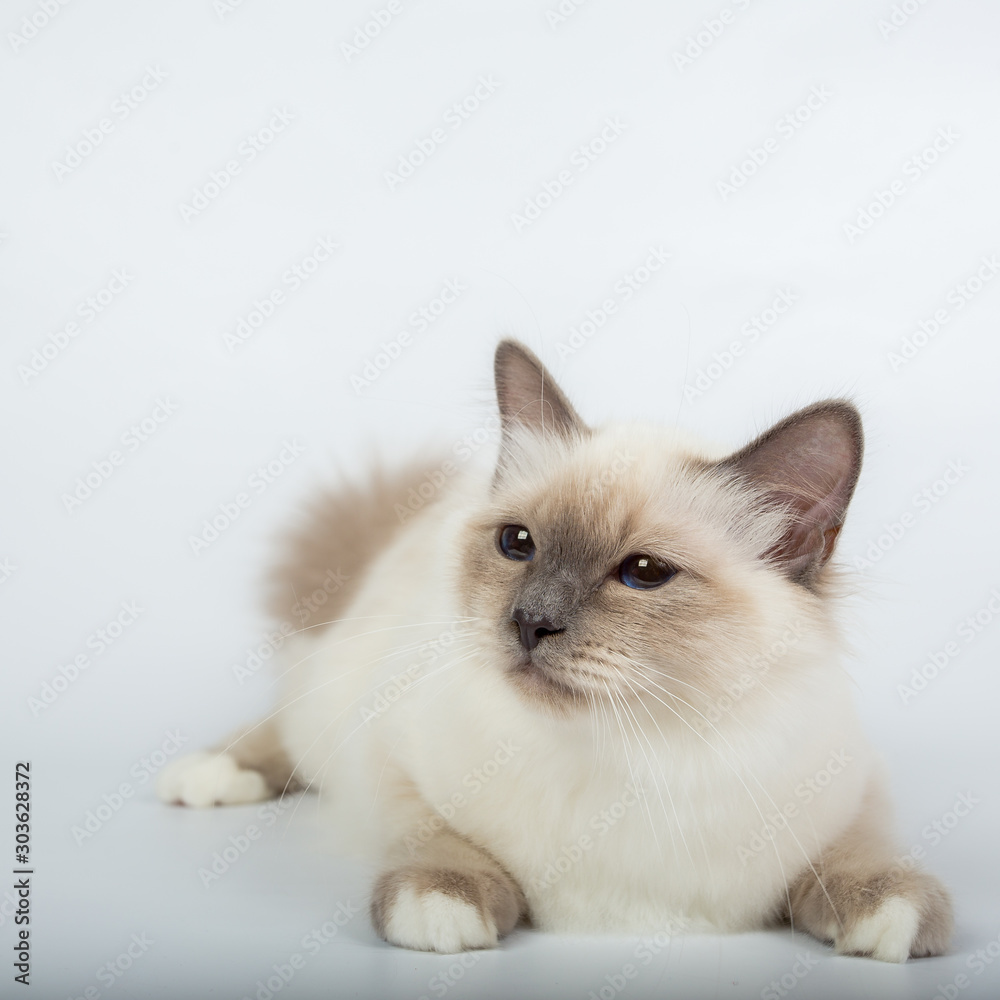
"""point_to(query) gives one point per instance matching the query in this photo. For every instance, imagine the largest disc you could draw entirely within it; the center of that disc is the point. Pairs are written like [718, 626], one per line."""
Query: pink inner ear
[808, 465]
[529, 397]
[811, 536]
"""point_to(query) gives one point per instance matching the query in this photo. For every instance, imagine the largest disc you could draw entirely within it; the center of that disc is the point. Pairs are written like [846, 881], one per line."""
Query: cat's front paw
[894, 918]
[443, 909]
[210, 779]
[887, 934]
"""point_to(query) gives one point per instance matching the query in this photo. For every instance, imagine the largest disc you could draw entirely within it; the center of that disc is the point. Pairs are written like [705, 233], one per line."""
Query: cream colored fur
[648, 799]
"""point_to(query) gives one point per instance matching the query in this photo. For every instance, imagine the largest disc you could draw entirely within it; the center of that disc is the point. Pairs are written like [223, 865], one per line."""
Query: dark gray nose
[533, 628]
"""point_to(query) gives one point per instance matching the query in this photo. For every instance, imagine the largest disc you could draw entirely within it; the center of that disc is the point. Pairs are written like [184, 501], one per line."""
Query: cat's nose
[533, 628]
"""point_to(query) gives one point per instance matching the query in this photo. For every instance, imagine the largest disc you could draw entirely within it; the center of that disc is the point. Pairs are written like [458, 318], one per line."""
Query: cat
[596, 688]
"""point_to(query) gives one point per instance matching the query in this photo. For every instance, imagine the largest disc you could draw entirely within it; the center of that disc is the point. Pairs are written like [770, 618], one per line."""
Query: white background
[69, 222]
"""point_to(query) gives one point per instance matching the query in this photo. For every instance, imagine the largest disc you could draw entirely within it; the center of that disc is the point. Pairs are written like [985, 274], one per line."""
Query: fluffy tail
[340, 534]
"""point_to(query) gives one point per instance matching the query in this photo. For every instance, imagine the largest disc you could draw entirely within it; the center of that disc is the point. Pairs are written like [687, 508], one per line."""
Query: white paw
[435, 921]
[210, 779]
[888, 934]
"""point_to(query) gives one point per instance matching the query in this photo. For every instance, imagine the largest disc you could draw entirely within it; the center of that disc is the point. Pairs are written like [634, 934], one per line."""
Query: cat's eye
[515, 542]
[643, 572]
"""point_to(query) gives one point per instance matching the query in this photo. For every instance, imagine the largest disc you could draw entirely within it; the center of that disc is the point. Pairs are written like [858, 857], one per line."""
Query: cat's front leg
[250, 766]
[860, 899]
[447, 895]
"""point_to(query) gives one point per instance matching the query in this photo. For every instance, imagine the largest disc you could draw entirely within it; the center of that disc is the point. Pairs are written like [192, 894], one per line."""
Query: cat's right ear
[529, 398]
[806, 468]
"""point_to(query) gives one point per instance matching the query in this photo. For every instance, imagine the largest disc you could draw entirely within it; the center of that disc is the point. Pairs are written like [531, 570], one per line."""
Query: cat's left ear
[807, 467]
[529, 398]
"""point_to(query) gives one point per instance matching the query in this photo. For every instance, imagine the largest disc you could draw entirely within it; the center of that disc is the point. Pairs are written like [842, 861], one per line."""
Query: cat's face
[630, 566]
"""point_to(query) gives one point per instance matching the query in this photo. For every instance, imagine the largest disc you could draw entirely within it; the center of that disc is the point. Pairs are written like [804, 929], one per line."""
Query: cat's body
[537, 725]
[451, 713]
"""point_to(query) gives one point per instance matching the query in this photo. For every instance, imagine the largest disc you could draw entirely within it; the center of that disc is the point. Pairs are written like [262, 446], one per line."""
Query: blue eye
[515, 543]
[642, 572]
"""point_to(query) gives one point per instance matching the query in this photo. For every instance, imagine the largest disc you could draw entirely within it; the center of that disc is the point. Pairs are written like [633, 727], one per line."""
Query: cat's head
[632, 563]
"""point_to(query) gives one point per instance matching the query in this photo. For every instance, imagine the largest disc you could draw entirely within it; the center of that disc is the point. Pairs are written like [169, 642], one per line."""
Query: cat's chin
[537, 683]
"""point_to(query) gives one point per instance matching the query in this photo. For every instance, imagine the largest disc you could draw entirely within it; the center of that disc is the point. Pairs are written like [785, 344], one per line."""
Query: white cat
[597, 689]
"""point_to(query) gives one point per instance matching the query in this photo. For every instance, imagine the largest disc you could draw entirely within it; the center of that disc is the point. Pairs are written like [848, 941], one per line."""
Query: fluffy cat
[596, 688]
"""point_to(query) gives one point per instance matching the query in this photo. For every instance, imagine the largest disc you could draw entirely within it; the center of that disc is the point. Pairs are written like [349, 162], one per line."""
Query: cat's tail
[339, 535]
